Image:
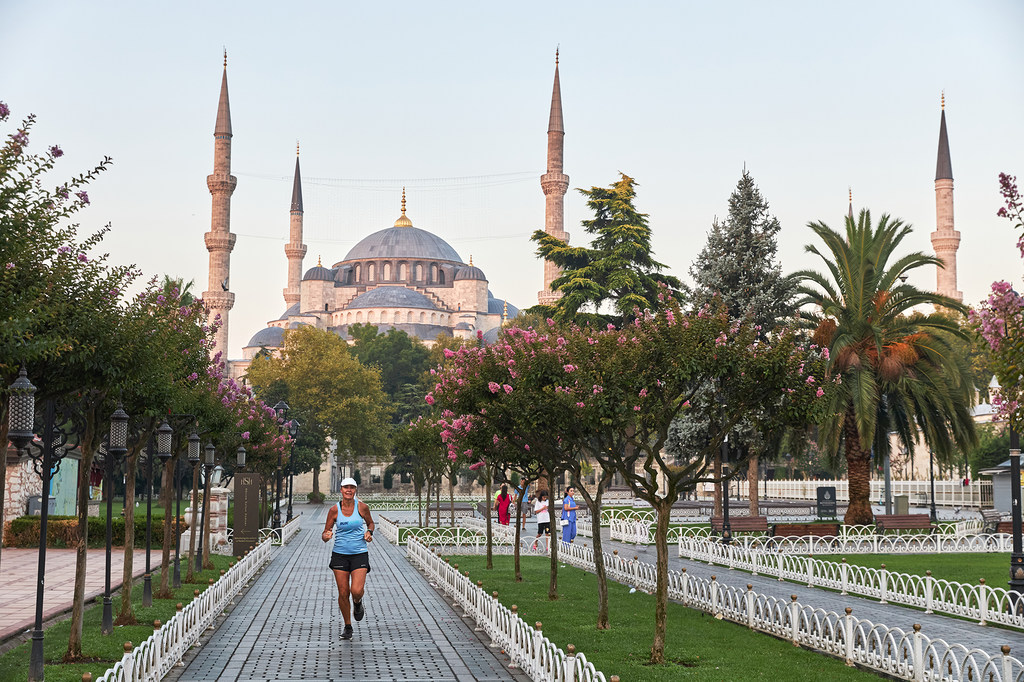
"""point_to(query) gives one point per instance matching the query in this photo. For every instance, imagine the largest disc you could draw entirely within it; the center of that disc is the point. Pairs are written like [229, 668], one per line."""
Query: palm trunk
[752, 491]
[126, 615]
[661, 583]
[858, 472]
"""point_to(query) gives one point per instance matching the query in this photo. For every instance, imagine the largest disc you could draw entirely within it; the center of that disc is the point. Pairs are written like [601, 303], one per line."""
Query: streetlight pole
[193, 447]
[931, 475]
[726, 528]
[210, 452]
[147, 579]
[293, 433]
[116, 446]
[281, 409]
[1017, 556]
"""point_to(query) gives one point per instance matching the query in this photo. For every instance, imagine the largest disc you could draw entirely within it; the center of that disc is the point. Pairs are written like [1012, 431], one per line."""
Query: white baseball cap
[348, 481]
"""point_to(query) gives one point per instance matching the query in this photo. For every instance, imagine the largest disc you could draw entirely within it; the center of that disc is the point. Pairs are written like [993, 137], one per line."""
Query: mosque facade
[401, 277]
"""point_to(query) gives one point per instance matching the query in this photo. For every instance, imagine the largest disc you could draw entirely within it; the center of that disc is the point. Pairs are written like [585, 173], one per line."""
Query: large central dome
[403, 242]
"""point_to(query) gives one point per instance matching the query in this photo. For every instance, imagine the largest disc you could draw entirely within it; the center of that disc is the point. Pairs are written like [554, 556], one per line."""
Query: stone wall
[22, 482]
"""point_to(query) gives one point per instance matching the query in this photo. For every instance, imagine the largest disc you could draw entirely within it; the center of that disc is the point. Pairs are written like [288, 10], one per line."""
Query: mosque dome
[391, 297]
[470, 272]
[496, 306]
[403, 242]
[318, 272]
[269, 336]
[292, 310]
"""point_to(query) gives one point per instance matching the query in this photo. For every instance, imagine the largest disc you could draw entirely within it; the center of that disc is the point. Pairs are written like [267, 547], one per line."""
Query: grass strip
[102, 651]
[698, 645]
[961, 568]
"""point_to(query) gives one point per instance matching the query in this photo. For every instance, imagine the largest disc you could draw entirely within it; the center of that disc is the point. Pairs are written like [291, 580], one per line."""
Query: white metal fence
[947, 493]
[527, 646]
[981, 602]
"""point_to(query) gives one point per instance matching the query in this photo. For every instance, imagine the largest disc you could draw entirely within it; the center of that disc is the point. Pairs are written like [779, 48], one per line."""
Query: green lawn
[962, 568]
[117, 506]
[700, 646]
[104, 651]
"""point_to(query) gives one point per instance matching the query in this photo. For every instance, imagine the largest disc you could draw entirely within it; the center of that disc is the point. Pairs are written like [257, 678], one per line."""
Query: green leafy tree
[993, 444]
[617, 271]
[401, 359]
[892, 372]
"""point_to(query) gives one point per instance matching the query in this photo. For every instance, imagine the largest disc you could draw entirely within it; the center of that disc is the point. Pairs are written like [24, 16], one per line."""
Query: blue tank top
[349, 532]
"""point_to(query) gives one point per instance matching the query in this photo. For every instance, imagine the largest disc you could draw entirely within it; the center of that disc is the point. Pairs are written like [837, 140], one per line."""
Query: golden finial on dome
[470, 260]
[318, 263]
[403, 220]
[504, 312]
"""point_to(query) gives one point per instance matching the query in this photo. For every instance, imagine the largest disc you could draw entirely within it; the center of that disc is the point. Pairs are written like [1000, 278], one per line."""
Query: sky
[451, 100]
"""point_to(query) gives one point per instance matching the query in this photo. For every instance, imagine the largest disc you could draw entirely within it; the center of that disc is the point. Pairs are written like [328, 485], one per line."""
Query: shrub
[62, 532]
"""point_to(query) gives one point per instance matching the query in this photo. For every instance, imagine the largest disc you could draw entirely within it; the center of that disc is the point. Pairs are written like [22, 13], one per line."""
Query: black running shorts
[350, 562]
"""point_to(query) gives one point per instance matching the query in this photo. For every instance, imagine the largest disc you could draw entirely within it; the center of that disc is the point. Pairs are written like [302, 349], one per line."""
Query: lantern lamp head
[22, 410]
[240, 456]
[211, 451]
[163, 441]
[281, 408]
[118, 432]
[193, 447]
[293, 429]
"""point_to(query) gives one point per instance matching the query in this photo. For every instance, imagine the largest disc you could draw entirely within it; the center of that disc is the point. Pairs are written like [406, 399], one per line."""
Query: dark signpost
[247, 508]
[826, 502]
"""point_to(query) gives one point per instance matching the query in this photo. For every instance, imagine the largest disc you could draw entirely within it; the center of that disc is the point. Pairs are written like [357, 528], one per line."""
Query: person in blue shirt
[569, 515]
[350, 524]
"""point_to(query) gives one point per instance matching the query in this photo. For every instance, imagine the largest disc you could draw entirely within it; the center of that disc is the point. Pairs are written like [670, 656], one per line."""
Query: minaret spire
[219, 240]
[295, 250]
[945, 239]
[850, 190]
[554, 183]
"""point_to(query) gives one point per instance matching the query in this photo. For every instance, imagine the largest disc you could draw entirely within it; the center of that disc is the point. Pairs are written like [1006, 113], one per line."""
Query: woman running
[350, 524]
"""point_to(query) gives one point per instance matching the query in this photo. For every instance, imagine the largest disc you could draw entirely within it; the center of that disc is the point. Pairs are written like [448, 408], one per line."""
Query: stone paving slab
[18, 571]
[287, 625]
[935, 626]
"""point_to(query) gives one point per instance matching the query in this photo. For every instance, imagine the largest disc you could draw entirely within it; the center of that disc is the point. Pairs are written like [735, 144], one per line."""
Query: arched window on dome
[402, 274]
[433, 272]
[433, 318]
[440, 276]
[419, 272]
[423, 317]
[408, 318]
[386, 272]
[348, 318]
[398, 318]
[359, 316]
[371, 316]
[371, 272]
[359, 273]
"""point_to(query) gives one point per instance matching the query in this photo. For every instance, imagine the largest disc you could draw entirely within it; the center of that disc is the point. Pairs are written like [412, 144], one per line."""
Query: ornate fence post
[569, 672]
[844, 574]
[750, 606]
[128, 662]
[794, 618]
[848, 630]
[686, 585]
[1007, 663]
[918, 653]
[810, 571]
[883, 584]
[714, 595]
[983, 591]
[538, 654]
[929, 591]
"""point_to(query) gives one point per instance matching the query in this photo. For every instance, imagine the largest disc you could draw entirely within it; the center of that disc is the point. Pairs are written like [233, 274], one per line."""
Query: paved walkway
[935, 626]
[287, 625]
[18, 571]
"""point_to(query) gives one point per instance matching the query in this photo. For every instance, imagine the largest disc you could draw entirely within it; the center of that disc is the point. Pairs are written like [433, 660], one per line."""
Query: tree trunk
[167, 481]
[316, 481]
[126, 615]
[752, 491]
[717, 510]
[4, 426]
[519, 535]
[556, 529]
[206, 527]
[602, 579]
[487, 516]
[437, 490]
[430, 491]
[419, 504]
[88, 450]
[451, 500]
[193, 534]
[858, 472]
[661, 584]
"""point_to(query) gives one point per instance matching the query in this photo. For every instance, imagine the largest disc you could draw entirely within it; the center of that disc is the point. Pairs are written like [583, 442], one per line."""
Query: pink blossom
[493, 386]
[581, 405]
[245, 435]
[429, 398]
[636, 408]
[477, 465]
[508, 389]
[643, 392]
[569, 368]
[820, 392]
[810, 379]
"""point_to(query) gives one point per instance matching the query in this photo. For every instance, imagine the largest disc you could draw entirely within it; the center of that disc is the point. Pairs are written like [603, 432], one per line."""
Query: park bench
[1004, 527]
[741, 524]
[897, 522]
[819, 530]
[991, 519]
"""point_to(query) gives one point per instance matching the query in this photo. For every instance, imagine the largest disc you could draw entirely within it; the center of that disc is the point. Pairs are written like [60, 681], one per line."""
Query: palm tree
[894, 371]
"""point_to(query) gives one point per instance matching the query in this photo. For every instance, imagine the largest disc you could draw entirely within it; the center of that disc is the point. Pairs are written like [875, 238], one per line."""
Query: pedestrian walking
[503, 505]
[569, 515]
[350, 524]
[543, 514]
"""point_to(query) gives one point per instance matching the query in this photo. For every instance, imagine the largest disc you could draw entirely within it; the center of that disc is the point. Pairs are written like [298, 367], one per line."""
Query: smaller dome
[470, 272]
[464, 326]
[270, 336]
[292, 310]
[318, 273]
[496, 306]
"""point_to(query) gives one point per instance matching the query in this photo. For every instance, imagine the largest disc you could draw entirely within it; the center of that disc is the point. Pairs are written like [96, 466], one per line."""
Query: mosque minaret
[219, 240]
[945, 239]
[554, 183]
[295, 250]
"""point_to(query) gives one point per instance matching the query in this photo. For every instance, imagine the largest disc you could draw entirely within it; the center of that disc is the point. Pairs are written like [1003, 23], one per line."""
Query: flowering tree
[1000, 319]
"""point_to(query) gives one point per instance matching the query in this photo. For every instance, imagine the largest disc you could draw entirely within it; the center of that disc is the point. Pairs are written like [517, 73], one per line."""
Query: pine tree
[617, 270]
[739, 262]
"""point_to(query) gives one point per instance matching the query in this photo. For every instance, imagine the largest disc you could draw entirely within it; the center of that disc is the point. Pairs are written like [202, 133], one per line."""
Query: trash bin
[901, 504]
[35, 505]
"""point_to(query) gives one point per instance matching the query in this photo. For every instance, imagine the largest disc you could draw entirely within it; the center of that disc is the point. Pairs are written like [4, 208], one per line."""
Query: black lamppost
[57, 428]
[281, 408]
[211, 453]
[293, 433]
[726, 528]
[193, 459]
[117, 446]
[193, 444]
[931, 475]
[1017, 556]
[147, 579]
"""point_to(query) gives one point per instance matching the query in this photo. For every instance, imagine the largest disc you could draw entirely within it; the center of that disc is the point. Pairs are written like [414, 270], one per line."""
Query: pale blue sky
[814, 97]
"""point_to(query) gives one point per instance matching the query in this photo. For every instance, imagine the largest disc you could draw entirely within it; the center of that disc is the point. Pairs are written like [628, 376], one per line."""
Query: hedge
[62, 532]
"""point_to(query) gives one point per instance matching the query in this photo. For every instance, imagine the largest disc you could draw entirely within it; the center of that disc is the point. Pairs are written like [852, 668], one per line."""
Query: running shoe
[347, 632]
[358, 611]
